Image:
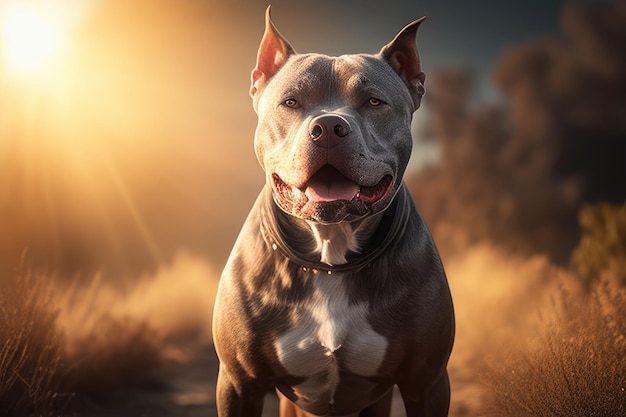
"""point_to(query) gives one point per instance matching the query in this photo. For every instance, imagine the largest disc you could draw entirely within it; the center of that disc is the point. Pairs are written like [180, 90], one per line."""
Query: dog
[334, 292]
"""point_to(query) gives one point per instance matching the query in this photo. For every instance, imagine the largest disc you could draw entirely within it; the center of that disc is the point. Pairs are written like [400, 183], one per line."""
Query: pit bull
[334, 292]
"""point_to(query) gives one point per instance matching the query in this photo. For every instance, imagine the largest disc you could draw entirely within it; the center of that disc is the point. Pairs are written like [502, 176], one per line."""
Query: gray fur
[334, 291]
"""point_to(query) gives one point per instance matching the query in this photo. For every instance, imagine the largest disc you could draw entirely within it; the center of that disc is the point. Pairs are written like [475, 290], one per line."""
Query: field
[531, 340]
[127, 168]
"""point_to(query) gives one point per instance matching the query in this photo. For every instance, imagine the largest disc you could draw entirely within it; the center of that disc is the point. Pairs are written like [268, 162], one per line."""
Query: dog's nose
[329, 130]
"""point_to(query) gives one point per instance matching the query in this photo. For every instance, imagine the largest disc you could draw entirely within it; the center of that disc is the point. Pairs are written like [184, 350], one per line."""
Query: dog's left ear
[273, 53]
[402, 54]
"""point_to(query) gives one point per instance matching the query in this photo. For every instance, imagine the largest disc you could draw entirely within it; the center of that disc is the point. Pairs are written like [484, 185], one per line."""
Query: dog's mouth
[328, 187]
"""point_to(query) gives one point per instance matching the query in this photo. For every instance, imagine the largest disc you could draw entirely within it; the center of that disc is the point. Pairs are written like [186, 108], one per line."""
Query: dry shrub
[102, 350]
[117, 353]
[577, 367]
[496, 297]
[176, 301]
[96, 340]
[118, 337]
[601, 252]
[30, 349]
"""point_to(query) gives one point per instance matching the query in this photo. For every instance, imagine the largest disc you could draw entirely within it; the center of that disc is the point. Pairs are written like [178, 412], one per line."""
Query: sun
[30, 38]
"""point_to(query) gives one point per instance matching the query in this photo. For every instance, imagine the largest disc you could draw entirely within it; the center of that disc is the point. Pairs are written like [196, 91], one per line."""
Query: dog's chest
[329, 335]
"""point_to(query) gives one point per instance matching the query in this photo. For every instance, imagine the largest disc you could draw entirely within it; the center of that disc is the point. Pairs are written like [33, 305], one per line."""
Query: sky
[456, 33]
[134, 141]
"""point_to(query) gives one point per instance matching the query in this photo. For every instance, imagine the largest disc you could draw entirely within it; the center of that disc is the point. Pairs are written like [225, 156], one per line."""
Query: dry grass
[577, 365]
[59, 343]
[98, 341]
[30, 349]
[120, 338]
[42, 367]
[496, 297]
[118, 353]
[103, 351]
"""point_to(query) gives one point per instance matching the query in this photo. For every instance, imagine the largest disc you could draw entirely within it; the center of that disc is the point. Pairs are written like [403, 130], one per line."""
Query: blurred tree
[517, 175]
[601, 253]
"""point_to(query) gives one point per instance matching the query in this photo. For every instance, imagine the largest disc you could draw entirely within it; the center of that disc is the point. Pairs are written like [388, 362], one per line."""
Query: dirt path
[187, 390]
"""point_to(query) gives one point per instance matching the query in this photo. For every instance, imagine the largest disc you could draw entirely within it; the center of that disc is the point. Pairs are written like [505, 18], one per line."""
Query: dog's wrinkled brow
[305, 83]
[358, 81]
[303, 73]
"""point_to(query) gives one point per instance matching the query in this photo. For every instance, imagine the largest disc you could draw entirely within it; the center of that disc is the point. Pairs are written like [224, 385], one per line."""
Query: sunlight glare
[31, 38]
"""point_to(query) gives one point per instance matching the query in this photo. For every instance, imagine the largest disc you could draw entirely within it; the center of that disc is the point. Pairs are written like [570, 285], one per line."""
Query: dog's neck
[334, 241]
[333, 247]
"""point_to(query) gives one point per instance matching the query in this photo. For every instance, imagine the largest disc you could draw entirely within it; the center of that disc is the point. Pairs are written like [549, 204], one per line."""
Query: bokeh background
[135, 141]
[127, 168]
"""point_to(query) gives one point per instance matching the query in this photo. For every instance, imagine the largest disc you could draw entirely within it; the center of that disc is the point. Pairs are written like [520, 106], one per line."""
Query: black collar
[392, 225]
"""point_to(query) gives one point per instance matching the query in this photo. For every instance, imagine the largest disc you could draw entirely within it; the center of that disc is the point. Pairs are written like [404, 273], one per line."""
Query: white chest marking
[328, 332]
[334, 241]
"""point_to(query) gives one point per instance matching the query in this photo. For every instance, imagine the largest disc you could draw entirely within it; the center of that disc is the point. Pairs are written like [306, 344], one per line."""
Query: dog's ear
[273, 53]
[402, 54]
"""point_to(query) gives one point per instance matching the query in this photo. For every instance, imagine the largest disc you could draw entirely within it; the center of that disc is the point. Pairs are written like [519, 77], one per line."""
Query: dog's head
[334, 132]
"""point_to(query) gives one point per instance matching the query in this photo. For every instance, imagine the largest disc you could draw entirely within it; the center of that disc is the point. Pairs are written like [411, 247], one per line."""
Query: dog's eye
[291, 102]
[374, 102]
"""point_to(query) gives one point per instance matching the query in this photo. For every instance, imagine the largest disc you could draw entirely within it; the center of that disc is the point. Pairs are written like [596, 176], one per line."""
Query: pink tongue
[329, 185]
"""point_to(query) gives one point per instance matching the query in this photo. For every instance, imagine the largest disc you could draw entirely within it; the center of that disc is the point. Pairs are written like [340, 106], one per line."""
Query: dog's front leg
[434, 402]
[238, 398]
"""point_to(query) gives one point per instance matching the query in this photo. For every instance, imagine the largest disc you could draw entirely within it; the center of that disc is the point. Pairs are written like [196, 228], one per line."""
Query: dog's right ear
[273, 53]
